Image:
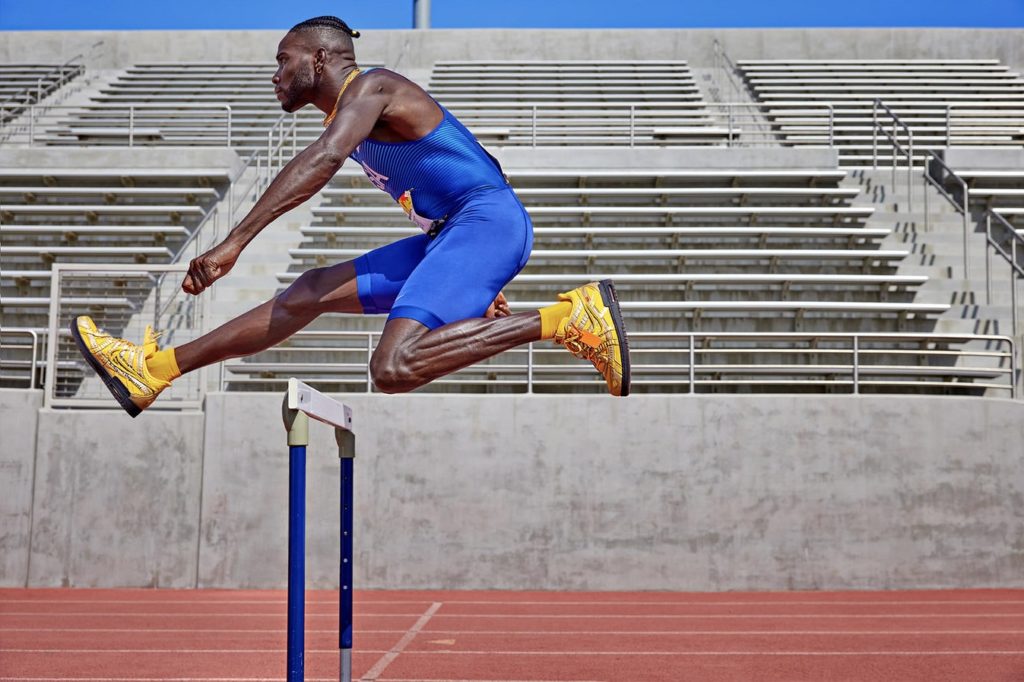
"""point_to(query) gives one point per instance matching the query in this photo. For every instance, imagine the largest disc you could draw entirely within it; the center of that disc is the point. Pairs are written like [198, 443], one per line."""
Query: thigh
[468, 264]
[382, 273]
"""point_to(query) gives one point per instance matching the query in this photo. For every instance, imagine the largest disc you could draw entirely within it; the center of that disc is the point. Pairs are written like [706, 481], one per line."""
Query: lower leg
[262, 327]
[317, 291]
[410, 356]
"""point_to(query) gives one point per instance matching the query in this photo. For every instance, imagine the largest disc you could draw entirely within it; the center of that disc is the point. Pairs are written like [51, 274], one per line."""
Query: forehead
[295, 42]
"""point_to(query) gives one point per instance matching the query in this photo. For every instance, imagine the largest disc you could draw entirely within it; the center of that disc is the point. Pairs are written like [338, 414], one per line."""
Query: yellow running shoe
[121, 364]
[594, 331]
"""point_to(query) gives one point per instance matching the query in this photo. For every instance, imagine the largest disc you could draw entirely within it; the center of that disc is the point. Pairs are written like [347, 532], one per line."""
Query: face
[294, 81]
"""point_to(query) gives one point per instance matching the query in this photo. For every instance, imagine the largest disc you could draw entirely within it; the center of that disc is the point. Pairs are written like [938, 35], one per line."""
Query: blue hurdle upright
[300, 403]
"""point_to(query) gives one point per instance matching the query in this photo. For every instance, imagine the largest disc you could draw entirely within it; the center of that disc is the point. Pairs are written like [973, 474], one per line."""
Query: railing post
[1013, 285]
[632, 125]
[856, 364]
[529, 368]
[295, 132]
[228, 108]
[874, 135]
[831, 126]
[369, 356]
[31, 125]
[967, 229]
[949, 125]
[924, 184]
[728, 118]
[533, 125]
[988, 259]
[910, 171]
[131, 125]
[693, 360]
[895, 142]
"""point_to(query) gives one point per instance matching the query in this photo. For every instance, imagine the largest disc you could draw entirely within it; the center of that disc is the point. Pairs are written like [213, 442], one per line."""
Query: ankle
[163, 365]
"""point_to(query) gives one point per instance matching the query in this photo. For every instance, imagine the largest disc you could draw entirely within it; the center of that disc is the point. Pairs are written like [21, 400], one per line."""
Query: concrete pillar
[421, 13]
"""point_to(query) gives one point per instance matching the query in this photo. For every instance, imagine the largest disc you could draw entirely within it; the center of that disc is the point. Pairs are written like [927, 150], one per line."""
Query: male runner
[435, 287]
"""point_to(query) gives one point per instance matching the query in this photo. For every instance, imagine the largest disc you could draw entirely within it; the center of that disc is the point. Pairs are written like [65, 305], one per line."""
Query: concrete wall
[652, 492]
[18, 412]
[419, 49]
[116, 501]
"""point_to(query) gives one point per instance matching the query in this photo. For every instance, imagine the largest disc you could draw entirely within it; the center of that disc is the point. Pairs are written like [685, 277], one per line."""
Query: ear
[319, 60]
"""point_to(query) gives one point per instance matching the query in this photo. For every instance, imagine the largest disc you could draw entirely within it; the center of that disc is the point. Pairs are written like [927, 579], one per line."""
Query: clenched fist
[206, 269]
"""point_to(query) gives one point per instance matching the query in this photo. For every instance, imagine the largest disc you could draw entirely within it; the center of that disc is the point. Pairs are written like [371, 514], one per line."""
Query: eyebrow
[279, 55]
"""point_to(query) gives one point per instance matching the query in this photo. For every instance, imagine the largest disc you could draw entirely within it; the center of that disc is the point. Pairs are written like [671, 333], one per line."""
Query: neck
[330, 84]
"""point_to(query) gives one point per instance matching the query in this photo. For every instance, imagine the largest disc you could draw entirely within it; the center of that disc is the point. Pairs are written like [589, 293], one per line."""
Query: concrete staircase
[936, 243]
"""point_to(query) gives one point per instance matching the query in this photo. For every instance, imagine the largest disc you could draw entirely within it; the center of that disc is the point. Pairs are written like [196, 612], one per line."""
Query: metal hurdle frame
[300, 403]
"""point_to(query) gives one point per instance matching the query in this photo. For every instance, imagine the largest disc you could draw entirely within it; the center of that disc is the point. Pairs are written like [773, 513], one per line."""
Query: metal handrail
[282, 131]
[694, 350]
[734, 115]
[35, 349]
[897, 122]
[724, 64]
[1016, 269]
[34, 113]
[963, 209]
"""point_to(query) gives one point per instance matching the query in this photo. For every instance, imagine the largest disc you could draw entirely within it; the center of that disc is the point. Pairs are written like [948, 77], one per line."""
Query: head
[305, 53]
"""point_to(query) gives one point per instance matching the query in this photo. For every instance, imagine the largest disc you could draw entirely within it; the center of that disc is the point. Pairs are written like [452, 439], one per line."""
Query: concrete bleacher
[944, 102]
[568, 102]
[22, 85]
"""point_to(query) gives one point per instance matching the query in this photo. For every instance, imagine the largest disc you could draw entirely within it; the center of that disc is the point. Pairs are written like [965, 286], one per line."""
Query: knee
[391, 375]
[301, 297]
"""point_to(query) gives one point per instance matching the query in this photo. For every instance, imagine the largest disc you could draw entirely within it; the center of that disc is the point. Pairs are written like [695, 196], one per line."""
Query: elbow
[330, 159]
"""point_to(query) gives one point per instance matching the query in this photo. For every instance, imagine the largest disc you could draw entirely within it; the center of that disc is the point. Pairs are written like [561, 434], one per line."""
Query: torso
[419, 148]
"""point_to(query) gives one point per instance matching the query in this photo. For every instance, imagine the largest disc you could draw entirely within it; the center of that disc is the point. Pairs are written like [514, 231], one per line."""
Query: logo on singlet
[378, 179]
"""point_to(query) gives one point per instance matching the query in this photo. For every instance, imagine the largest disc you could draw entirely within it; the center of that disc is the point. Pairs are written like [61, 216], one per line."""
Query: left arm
[300, 179]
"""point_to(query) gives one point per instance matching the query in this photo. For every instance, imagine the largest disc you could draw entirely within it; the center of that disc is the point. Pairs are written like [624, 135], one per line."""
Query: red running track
[239, 635]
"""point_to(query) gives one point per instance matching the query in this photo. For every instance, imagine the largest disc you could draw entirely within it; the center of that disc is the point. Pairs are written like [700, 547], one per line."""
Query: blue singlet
[485, 240]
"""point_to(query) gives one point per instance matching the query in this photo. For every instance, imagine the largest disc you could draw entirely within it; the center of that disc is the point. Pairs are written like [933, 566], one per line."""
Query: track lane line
[378, 668]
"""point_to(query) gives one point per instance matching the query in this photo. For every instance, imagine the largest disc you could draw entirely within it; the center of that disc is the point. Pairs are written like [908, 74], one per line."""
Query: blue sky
[199, 14]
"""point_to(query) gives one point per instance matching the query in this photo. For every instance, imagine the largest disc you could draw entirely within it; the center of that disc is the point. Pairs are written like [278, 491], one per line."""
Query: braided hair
[326, 22]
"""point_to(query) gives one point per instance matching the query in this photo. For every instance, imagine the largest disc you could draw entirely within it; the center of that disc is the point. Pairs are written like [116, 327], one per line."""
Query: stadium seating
[103, 216]
[945, 102]
[22, 85]
[577, 102]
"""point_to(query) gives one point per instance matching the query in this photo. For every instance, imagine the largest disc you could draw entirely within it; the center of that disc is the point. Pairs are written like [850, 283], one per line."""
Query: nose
[277, 78]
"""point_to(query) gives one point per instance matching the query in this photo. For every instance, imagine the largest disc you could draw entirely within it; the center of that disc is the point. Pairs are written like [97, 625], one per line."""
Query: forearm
[300, 179]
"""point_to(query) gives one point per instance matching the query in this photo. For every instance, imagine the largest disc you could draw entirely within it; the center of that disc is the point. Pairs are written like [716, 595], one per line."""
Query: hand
[499, 308]
[206, 269]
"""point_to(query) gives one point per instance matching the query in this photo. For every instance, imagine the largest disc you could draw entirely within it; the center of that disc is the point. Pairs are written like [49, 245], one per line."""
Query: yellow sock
[163, 365]
[551, 316]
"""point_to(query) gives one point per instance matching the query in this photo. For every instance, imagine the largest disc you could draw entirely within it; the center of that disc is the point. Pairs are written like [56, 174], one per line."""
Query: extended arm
[300, 179]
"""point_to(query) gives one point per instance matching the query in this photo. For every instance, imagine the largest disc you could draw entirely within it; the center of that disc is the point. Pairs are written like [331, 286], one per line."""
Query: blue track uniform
[477, 233]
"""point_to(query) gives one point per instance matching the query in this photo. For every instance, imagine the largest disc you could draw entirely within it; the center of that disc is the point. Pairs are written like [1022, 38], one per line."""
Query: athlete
[441, 289]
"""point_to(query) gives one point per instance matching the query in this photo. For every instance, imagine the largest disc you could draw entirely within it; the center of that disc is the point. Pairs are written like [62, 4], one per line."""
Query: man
[435, 287]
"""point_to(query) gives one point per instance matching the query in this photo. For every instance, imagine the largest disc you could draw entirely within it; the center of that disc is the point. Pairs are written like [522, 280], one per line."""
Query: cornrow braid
[327, 22]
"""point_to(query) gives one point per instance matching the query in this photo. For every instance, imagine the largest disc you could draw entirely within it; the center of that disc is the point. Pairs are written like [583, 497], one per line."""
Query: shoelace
[573, 342]
[119, 347]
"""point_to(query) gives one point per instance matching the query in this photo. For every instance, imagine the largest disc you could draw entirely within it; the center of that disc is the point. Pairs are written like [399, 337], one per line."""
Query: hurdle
[300, 403]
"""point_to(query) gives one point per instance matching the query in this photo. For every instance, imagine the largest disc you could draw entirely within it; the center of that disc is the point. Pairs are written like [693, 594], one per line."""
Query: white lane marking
[972, 652]
[390, 655]
[651, 633]
[225, 614]
[529, 633]
[644, 616]
[333, 652]
[378, 668]
[513, 602]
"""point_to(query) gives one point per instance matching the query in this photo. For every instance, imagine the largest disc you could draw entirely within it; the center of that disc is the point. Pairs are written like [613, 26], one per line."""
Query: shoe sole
[611, 299]
[115, 387]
